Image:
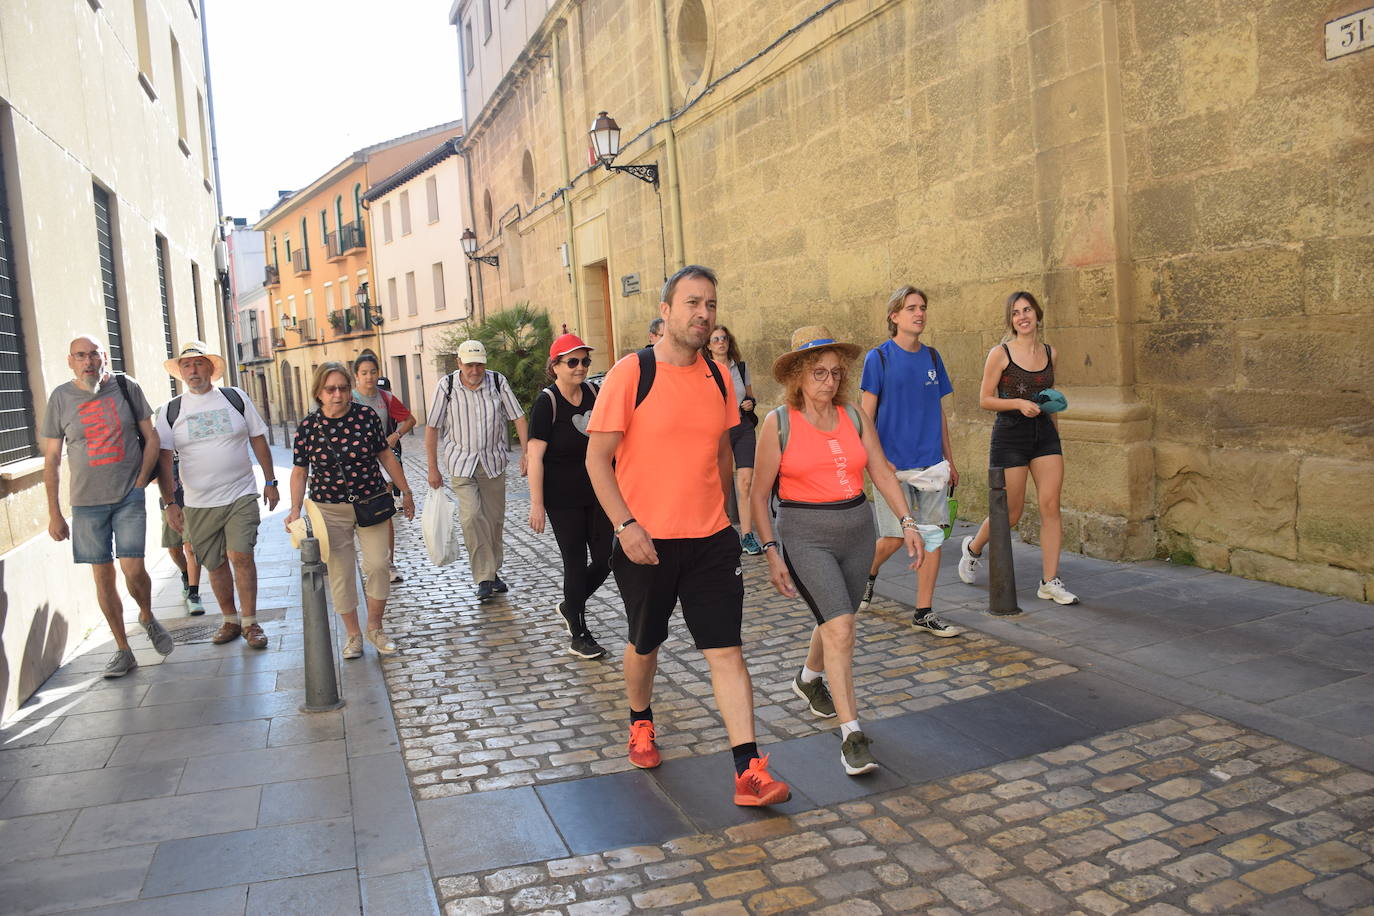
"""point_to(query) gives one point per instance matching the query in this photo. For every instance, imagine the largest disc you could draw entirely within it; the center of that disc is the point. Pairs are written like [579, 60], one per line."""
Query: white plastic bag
[437, 524]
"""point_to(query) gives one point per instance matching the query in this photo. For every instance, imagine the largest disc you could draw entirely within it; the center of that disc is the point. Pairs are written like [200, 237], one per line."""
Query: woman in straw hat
[338, 448]
[816, 447]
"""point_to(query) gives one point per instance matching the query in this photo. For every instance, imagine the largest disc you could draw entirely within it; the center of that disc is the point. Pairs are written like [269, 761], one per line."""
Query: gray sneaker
[856, 755]
[816, 696]
[159, 637]
[121, 663]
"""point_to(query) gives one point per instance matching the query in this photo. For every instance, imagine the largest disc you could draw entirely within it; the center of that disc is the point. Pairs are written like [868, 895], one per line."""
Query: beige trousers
[482, 514]
[343, 557]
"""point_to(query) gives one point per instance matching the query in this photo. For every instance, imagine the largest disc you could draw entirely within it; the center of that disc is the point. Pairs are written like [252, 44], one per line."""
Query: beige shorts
[215, 531]
[170, 536]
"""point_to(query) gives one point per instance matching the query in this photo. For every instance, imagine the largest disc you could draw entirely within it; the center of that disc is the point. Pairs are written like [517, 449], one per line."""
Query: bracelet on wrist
[770, 544]
[623, 525]
[269, 483]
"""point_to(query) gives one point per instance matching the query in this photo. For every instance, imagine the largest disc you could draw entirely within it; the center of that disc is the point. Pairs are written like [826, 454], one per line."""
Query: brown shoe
[255, 637]
[228, 632]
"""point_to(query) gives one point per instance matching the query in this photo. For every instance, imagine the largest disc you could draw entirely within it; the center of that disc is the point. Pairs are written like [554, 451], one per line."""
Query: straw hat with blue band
[811, 339]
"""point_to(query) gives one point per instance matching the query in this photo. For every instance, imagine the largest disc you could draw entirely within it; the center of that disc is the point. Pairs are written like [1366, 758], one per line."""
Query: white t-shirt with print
[211, 439]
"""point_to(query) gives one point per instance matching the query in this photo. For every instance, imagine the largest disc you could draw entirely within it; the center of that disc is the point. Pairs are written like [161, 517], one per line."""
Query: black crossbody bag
[369, 510]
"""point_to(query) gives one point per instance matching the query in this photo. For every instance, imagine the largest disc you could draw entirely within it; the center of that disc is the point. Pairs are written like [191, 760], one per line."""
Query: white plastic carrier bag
[437, 524]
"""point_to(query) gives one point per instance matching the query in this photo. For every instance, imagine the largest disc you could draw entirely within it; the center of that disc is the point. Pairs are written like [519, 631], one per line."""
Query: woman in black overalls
[1024, 438]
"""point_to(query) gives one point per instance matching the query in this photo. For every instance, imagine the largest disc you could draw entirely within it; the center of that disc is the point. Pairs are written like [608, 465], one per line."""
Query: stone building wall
[1186, 186]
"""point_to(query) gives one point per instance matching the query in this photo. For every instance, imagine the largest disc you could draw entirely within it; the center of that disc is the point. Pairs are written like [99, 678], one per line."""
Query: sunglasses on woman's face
[334, 389]
[575, 362]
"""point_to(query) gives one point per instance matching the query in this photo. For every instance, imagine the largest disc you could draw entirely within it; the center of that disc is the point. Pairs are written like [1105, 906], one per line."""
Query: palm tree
[517, 341]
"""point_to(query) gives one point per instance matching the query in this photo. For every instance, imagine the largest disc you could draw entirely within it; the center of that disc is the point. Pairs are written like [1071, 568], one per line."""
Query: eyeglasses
[334, 389]
[820, 373]
[719, 339]
[575, 362]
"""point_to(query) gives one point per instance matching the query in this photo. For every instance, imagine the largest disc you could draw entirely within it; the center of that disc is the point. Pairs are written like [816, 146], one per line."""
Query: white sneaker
[1055, 591]
[968, 563]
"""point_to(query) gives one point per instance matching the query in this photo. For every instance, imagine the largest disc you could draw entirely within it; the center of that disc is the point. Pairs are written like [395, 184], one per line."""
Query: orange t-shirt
[666, 463]
[819, 466]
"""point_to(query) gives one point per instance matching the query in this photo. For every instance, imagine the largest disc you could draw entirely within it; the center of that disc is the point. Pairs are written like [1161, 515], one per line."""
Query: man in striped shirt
[467, 426]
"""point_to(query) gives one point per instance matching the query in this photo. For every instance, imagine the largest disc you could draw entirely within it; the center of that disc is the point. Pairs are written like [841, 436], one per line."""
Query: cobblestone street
[1012, 782]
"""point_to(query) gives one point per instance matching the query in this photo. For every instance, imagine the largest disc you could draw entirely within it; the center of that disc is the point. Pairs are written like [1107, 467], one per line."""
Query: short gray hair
[691, 270]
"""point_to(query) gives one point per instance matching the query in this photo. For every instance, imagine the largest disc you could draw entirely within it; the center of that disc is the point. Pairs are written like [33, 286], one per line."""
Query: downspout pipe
[478, 298]
[559, 31]
[665, 87]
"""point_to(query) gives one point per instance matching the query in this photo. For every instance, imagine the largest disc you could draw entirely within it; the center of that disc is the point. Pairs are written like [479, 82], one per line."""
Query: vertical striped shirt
[472, 424]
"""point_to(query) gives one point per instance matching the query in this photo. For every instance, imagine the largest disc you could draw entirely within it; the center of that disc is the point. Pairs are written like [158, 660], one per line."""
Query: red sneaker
[643, 751]
[755, 787]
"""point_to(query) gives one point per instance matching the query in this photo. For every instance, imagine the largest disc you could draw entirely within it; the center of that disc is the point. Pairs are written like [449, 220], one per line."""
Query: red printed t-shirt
[820, 466]
[666, 463]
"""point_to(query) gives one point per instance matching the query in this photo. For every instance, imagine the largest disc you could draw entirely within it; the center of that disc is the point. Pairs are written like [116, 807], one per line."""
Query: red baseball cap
[566, 343]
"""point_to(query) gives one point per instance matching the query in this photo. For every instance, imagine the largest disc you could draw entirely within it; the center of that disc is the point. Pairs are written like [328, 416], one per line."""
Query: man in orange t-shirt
[665, 495]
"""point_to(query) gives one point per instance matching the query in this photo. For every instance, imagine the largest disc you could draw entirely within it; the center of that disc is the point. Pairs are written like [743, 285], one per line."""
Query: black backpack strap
[553, 405]
[648, 366]
[172, 411]
[720, 380]
[233, 397]
[124, 390]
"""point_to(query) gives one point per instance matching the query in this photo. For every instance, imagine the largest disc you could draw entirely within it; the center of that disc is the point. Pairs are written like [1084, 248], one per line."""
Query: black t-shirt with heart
[341, 454]
[566, 484]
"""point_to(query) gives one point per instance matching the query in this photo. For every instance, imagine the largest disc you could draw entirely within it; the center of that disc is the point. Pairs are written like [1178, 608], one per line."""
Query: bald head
[88, 361]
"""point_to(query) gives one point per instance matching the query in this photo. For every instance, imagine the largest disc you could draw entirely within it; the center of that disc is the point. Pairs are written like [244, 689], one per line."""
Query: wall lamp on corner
[605, 135]
[469, 240]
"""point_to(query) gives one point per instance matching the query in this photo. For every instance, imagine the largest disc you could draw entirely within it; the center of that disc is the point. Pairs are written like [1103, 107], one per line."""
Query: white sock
[249, 619]
[231, 618]
[810, 677]
[849, 728]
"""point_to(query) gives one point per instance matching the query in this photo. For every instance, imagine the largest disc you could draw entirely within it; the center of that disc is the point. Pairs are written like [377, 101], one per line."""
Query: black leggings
[579, 531]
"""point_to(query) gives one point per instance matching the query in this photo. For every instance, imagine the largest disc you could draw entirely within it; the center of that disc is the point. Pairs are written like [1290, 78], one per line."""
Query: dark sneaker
[867, 599]
[585, 645]
[121, 663]
[856, 755]
[484, 590]
[643, 750]
[569, 621]
[228, 632]
[194, 606]
[933, 625]
[498, 586]
[254, 636]
[756, 787]
[159, 637]
[750, 545]
[816, 695]
[396, 575]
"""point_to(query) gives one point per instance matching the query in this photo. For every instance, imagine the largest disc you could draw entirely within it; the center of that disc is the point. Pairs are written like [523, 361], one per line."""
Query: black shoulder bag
[368, 510]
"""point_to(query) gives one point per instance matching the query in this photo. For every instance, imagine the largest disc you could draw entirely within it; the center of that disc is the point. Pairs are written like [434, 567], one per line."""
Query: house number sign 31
[1349, 34]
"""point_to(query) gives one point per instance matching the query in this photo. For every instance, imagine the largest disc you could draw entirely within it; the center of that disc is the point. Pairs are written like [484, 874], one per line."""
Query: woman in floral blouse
[339, 448]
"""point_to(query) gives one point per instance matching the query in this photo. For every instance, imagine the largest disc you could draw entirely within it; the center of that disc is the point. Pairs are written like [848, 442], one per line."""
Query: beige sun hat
[195, 348]
[810, 339]
[317, 528]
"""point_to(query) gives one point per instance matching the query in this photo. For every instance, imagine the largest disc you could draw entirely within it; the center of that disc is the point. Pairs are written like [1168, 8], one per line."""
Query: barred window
[104, 237]
[17, 417]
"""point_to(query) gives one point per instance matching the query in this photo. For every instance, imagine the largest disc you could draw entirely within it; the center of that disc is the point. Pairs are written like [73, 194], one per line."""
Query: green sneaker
[816, 696]
[856, 755]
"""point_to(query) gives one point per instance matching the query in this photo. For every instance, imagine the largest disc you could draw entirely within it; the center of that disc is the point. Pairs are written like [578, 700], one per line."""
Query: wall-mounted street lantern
[469, 240]
[373, 313]
[605, 135]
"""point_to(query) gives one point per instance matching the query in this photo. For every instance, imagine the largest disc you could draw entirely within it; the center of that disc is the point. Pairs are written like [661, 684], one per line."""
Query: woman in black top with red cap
[561, 490]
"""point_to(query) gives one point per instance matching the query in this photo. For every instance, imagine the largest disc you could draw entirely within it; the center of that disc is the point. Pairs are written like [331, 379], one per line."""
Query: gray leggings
[828, 548]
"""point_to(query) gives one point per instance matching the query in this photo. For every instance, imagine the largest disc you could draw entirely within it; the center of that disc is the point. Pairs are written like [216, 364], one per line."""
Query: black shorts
[1017, 442]
[742, 443]
[703, 573]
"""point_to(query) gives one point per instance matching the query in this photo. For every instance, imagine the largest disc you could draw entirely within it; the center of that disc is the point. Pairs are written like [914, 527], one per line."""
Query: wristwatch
[269, 483]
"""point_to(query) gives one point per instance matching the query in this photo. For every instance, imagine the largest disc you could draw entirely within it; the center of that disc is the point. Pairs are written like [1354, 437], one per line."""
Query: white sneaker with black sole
[1055, 591]
[968, 562]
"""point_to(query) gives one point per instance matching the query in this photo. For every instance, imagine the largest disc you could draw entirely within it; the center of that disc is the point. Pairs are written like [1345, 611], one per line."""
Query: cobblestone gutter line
[485, 696]
[1187, 814]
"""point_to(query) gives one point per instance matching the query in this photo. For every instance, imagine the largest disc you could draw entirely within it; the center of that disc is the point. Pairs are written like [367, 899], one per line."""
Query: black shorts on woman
[1017, 439]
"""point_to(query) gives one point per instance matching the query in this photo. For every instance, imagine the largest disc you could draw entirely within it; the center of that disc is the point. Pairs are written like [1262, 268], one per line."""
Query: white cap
[472, 351]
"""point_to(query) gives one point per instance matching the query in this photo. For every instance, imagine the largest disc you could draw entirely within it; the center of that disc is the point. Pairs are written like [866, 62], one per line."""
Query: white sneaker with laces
[968, 563]
[1055, 591]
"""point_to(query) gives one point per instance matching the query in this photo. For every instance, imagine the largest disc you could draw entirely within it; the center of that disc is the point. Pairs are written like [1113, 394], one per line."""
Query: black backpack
[171, 412]
[648, 368]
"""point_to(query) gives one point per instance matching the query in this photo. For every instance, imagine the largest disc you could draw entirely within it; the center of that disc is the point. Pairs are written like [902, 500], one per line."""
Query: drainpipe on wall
[476, 298]
[559, 30]
[665, 87]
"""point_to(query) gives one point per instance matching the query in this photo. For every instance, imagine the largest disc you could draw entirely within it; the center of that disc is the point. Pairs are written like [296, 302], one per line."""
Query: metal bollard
[321, 686]
[1001, 571]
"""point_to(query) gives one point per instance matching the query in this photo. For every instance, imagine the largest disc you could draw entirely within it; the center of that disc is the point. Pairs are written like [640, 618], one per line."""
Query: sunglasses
[820, 373]
[575, 362]
[334, 389]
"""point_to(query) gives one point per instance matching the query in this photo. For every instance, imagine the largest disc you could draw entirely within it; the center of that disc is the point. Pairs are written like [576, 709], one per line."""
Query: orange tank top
[821, 467]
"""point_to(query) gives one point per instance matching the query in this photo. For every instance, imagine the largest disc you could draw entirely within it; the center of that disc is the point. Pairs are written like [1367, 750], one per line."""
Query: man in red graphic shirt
[100, 416]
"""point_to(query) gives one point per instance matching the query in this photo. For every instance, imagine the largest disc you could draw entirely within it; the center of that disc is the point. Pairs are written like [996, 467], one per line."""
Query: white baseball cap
[472, 351]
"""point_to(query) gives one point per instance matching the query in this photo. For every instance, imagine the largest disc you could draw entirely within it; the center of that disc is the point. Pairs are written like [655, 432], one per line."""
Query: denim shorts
[930, 508]
[95, 527]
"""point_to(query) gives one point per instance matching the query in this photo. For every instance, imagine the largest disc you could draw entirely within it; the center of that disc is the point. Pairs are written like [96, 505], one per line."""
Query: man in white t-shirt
[210, 430]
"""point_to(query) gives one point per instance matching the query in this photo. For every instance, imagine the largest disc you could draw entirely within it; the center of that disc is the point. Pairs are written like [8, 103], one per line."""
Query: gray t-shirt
[101, 432]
